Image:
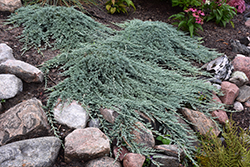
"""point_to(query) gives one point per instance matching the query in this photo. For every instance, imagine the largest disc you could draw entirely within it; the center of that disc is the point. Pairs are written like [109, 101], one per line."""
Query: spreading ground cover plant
[143, 67]
[66, 27]
[233, 152]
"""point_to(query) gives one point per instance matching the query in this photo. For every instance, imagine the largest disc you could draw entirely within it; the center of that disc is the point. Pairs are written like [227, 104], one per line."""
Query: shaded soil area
[213, 36]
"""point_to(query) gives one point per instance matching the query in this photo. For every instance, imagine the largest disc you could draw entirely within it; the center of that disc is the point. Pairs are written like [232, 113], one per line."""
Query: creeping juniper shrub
[144, 67]
[67, 27]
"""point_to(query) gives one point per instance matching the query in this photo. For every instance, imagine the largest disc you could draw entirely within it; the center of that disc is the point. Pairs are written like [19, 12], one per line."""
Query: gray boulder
[5, 53]
[38, 152]
[10, 85]
[72, 115]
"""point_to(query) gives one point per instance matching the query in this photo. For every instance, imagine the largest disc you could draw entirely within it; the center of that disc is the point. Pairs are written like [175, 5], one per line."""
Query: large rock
[201, 123]
[143, 135]
[39, 152]
[239, 78]
[23, 121]
[86, 144]
[5, 53]
[73, 115]
[10, 5]
[221, 67]
[230, 91]
[133, 160]
[244, 94]
[10, 85]
[102, 162]
[166, 161]
[242, 63]
[25, 71]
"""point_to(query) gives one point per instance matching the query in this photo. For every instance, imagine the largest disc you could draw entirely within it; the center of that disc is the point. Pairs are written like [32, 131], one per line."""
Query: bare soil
[213, 35]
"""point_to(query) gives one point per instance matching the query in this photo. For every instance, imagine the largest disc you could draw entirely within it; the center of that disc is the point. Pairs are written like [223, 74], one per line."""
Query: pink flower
[195, 15]
[186, 10]
[193, 10]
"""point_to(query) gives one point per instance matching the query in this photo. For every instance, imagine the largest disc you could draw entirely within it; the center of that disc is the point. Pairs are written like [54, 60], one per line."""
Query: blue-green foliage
[145, 67]
[66, 27]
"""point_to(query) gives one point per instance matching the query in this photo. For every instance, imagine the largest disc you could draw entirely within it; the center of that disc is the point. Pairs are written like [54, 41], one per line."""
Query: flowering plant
[238, 4]
[189, 20]
[219, 11]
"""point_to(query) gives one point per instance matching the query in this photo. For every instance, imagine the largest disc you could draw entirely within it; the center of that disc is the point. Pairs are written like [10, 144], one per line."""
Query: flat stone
[21, 121]
[73, 115]
[86, 144]
[133, 160]
[24, 71]
[230, 91]
[166, 161]
[5, 53]
[244, 94]
[10, 5]
[32, 152]
[171, 150]
[10, 85]
[143, 135]
[102, 162]
[247, 103]
[201, 123]
[109, 115]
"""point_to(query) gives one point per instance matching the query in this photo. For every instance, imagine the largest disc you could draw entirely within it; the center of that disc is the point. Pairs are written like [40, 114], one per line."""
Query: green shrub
[118, 6]
[220, 12]
[233, 153]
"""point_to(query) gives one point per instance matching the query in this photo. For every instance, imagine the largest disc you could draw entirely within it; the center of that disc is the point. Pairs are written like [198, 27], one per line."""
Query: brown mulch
[154, 10]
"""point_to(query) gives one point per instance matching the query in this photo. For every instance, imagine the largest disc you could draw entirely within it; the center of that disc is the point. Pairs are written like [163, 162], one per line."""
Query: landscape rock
[237, 47]
[121, 151]
[230, 91]
[73, 115]
[94, 123]
[238, 106]
[109, 114]
[165, 161]
[242, 63]
[86, 144]
[21, 121]
[220, 115]
[5, 52]
[10, 85]
[133, 160]
[24, 71]
[10, 5]
[143, 135]
[247, 103]
[244, 94]
[239, 78]
[171, 150]
[146, 119]
[39, 152]
[221, 67]
[102, 162]
[201, 123]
